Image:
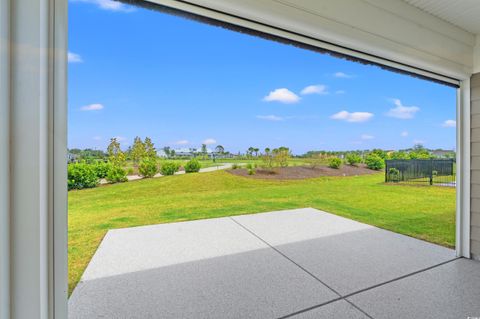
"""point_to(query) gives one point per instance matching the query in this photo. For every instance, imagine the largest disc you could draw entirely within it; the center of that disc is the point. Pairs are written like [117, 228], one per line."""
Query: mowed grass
[423, 212]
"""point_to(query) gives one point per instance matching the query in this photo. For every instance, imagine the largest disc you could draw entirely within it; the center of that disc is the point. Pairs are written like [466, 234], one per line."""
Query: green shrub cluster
[116, 174]
[101, 169]
[169, 168]
[353, 159]
[375, 162]
[192, 166]
[334, 162]
[148, 167]
[81, 175]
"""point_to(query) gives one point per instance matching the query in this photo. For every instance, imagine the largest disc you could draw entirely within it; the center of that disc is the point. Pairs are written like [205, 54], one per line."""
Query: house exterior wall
[475, 166]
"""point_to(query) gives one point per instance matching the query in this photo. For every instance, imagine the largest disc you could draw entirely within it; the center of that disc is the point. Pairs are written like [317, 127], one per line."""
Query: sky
[138, 72]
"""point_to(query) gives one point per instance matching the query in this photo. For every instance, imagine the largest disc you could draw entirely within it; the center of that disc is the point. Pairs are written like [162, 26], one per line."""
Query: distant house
[443, 153]
[71, 158]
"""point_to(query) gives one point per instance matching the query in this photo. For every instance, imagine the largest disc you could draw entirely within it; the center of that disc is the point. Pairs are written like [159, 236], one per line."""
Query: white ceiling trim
[461, 13]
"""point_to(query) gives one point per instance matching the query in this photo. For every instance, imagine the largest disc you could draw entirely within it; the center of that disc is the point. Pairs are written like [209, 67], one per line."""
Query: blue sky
[139, 72]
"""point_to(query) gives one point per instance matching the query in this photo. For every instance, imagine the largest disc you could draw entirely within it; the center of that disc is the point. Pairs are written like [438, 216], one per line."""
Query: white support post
[462, 239]
[4, 159]
[33, 206]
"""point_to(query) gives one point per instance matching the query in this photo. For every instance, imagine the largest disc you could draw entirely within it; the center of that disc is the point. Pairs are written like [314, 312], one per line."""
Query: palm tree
[256, 150]
[220, 149]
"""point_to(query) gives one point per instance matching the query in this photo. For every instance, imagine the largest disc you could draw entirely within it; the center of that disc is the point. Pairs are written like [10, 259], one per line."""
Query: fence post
[431, 171]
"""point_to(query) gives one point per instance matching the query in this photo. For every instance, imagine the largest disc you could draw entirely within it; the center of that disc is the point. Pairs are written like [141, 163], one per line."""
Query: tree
[281, 156]
[150, 150]
[138, 150]
[256, 150]
[204, 150]
[167, 151]
[115, 154]
[220, 149]
[250, 151]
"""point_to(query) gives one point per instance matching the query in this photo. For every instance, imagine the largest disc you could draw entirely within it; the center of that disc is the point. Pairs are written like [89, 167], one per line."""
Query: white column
[35, 258]
[4, 160]
[462, 239]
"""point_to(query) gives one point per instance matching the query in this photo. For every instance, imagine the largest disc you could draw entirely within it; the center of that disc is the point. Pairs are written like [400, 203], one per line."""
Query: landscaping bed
[302, 172]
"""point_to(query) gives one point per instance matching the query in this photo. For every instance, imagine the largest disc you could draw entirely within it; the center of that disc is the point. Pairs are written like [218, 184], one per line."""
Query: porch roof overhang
[410, 35]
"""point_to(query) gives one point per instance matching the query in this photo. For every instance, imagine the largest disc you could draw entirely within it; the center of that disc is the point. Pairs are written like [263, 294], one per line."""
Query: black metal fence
[423, 171]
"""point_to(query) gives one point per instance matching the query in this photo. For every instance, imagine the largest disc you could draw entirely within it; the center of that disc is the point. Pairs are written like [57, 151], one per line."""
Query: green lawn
[424, 212]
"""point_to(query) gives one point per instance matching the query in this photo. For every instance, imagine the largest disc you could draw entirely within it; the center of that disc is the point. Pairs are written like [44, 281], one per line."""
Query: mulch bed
[302, 172]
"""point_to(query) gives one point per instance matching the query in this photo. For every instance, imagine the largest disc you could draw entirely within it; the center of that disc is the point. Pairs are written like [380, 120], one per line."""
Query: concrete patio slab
[336, 309]
[346, 255]
[448, 291]
[201, 269]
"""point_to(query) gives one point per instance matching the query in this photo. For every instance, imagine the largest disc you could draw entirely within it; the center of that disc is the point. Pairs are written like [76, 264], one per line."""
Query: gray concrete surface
[336, 309]
[448, 291]
[348, 256]
[291, 264]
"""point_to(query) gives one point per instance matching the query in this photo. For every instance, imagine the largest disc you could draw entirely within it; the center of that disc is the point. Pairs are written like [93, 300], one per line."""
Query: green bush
[334, 162]
[235, 166]
[169, 168]
[101, 169]
[353, 159]
[394, 174]
[375, 162]
[192, 166]
[81, 175]
[251, 171]
[148, 167]
[116, 174]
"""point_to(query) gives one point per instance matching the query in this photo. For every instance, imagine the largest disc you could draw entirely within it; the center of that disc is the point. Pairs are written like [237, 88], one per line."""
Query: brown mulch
[302, 172]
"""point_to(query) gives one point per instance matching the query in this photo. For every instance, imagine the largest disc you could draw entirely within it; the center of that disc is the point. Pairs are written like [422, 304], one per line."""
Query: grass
[423, 212]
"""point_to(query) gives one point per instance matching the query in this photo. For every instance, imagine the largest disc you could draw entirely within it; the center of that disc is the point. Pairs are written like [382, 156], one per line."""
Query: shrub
[353, 159]
[375, 162]
[81, 175]
[394, 174]
[192, 166]
[334, 162]
[250, 166]
[116, 174]
[101, 169]
[235, 166]
[251, 171]
[148, 167]
[169, 168]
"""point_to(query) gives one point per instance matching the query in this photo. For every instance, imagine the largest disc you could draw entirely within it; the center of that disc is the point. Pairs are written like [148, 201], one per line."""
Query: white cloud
[273, 118]
[352, 117]
[74, 58]
[401, 111]
[340, 92]
[404, 134]
[367, 137]
[209, 141]
[283, 96]
[342, 75]
[97, 138]
[450, 123]
[109, 5]
[92, 107]
[181, 142]
[315, 89]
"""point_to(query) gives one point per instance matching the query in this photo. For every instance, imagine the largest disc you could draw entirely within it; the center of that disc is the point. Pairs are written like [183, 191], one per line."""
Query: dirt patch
[302, 172]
